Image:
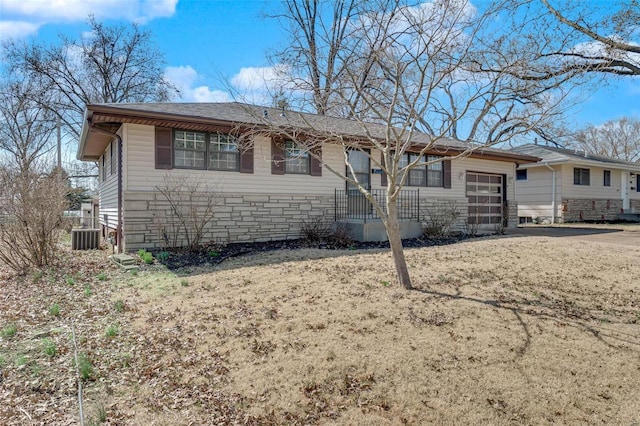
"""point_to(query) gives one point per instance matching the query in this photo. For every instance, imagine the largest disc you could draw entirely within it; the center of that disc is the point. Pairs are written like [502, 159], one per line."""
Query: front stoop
[125, 261]
[629, 217]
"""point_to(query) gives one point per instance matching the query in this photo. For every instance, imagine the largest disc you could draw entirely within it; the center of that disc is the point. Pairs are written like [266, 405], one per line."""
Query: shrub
[314, 230]
[191, 208]
[162, 256]
[439, 218]
[341, 235]
[32, 205]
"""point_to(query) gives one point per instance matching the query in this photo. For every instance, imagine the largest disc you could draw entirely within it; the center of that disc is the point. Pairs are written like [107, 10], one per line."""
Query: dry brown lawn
[508, 330]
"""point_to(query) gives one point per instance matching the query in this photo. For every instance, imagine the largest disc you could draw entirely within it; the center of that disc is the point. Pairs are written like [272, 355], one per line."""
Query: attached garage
[486, 195]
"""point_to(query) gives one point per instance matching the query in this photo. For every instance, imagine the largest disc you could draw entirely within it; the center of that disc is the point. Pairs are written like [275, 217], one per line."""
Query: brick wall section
[576, 210]
[237, 218]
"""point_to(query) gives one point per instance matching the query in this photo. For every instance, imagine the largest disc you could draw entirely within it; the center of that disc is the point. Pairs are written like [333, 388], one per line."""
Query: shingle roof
[239, 113]
[554, 154]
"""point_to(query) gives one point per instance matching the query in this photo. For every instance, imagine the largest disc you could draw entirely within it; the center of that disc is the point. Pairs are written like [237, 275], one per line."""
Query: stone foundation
[151, 222]
[634, 206]
[576, 210]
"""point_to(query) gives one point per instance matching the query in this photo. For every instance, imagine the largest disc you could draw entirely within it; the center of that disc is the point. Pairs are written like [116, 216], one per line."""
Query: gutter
[116, 136]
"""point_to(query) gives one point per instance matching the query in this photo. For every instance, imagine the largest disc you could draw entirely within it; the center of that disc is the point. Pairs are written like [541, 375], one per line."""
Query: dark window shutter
[316, 163]
[163, 148]
[277, 158]
[246, 159]
[383, 176]
[446, 170]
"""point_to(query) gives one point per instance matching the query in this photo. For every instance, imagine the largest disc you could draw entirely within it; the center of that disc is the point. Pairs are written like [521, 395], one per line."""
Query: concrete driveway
[624, 234]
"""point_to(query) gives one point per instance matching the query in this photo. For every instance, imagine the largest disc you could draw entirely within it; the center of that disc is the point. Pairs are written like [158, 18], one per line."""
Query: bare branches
[26, 126]
[31, 208]
[615, 139]
[107, 64]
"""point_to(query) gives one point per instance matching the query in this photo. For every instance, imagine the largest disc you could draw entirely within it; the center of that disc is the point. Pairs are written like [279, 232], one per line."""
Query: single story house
[269, 188]
[572, 186]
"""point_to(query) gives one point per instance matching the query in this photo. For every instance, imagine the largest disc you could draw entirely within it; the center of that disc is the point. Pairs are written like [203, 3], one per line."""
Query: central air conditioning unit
[85, 239]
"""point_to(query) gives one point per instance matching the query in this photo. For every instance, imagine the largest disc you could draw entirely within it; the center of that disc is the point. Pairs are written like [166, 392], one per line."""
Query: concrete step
[123, 259]
[629, 217]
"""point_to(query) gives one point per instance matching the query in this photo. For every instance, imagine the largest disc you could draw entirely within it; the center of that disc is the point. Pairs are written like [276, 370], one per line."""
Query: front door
[358, 206]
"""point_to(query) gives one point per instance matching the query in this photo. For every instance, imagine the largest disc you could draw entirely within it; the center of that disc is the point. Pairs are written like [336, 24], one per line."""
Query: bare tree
[570, 39]
[615, 139]
[26, 127]
[411, 79]
[318, 32]
[106, 64]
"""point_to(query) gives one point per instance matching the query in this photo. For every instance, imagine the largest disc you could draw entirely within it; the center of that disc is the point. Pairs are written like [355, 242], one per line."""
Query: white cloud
[17, 29]
[38, 12]
[185, 78]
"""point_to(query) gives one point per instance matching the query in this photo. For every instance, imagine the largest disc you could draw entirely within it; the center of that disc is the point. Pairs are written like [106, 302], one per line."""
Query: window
[607, 178]
[521, 174]
[581, 177]
[296, 159]
[223, 152]
[196, 150]
[189, 149]
[104, 168]
[113, 159]
[424, 175]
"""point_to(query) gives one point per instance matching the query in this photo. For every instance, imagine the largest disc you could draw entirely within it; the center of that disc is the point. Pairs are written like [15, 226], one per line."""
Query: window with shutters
[296, 159]
[428, 172]
[212, 151]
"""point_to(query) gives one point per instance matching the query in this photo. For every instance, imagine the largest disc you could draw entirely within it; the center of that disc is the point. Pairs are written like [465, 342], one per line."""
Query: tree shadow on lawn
[553, 309]
[560, 231]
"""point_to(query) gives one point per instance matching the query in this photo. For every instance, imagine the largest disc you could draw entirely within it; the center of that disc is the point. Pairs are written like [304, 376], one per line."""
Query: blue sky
[206, 42]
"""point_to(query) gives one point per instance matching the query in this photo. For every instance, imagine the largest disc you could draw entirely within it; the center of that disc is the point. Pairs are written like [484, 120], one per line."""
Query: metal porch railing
[352, 204]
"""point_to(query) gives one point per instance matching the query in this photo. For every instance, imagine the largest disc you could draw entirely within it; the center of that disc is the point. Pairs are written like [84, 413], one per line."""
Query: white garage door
[485, 193]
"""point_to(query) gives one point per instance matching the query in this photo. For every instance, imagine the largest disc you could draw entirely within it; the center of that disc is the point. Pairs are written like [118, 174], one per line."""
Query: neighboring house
[268, 189]
[571, 186]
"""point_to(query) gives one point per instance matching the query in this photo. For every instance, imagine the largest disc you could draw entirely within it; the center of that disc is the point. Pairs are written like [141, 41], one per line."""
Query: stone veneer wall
[577, 210]
[443, 206]
[634, 205]
[238, 218]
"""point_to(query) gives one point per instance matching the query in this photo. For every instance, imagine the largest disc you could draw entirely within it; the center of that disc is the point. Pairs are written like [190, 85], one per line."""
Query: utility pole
[59, 145]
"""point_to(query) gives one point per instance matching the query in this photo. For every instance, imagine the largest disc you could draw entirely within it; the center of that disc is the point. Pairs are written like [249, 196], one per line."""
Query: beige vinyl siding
[596, 189]
[141, 175]
[534, 193]
[108, 189]
[459, 167]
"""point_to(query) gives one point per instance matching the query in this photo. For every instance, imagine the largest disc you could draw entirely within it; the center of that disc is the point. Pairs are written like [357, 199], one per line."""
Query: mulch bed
[215, 254]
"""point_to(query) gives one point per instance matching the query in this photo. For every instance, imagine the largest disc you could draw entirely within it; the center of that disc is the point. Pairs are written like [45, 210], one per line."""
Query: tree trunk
[395, 242]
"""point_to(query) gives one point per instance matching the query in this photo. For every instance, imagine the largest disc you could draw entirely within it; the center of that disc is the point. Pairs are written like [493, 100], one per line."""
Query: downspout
[553, 192]
[119, 151]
